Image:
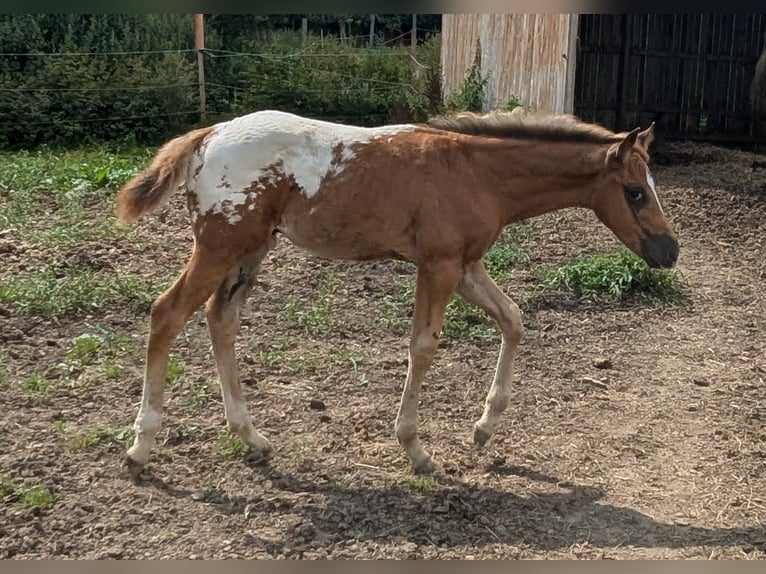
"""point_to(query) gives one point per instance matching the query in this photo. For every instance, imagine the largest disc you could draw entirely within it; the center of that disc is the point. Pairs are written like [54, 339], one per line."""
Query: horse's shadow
[452, 513]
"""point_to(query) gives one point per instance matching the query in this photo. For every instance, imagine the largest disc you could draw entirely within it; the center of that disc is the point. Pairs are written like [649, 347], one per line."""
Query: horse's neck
[535, 178]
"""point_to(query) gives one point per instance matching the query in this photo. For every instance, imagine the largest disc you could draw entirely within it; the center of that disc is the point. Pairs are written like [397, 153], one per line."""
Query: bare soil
[662, 456]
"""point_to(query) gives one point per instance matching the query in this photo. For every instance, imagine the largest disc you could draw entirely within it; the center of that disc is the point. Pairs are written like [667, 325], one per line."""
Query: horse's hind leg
[477, 287]
[169, 314]
[223, 310]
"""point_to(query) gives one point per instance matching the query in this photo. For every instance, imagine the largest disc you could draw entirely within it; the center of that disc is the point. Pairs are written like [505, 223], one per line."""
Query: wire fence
[343, 84]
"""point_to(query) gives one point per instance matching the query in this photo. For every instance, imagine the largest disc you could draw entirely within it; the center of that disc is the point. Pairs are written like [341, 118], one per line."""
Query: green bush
[58, 85]
[48, 95]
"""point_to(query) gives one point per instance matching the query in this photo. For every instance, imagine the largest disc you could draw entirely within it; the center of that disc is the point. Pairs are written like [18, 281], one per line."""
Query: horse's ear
[619, 153]
[646, 137]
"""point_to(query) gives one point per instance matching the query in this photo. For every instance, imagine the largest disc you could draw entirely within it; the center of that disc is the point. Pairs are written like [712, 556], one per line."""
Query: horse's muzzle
[660, 250]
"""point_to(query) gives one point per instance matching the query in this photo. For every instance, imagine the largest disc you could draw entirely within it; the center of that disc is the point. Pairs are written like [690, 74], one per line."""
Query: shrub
[613, 276]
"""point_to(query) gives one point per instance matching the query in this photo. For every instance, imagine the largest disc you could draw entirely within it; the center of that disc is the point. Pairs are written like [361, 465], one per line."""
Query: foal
[437, 195]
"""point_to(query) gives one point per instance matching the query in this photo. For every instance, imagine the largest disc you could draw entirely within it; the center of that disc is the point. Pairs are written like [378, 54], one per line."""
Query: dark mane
[547, 127]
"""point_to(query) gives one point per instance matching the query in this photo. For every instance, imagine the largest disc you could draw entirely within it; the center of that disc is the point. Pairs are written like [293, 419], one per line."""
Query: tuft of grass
[200, 394]
[317, 319]
[510, 249]
[231, 445]
[465, 321]
[354, 358]
[31, 496]
[102, 436]
[614, 276]
[36, 496]
[57, 290]
[276, 353]
[92, 356]
[174, 371]
[421, 484]
[36, 386]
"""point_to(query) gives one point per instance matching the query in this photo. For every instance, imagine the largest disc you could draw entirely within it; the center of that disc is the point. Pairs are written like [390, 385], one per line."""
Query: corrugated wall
[523, 55]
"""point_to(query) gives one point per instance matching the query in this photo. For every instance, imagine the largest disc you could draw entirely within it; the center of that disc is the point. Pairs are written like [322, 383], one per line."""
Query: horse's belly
[336, 242]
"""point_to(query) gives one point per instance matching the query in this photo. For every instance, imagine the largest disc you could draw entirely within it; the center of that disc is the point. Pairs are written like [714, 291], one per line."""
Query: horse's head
[626, 201]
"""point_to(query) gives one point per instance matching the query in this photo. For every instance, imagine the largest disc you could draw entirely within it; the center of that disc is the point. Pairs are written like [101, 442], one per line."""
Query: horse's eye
[635, 193]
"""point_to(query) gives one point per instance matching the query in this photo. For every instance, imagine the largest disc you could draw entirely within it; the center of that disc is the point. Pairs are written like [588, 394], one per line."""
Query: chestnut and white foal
[437, 195]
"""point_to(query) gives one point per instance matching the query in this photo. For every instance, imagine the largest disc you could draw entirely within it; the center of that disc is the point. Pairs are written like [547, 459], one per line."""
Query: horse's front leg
[435, 284]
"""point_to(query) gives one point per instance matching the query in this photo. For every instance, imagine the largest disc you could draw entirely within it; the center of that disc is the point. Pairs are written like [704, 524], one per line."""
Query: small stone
[324, 418]
[602, 363]
[701, 382]
[317, 405]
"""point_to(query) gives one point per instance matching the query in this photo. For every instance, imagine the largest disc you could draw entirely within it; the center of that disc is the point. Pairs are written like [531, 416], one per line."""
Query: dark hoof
[133, 467]
[426, 466]
[480, 437]
[259, 457]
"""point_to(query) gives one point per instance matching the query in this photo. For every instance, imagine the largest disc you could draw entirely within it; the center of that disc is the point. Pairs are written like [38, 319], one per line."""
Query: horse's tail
[150, 188]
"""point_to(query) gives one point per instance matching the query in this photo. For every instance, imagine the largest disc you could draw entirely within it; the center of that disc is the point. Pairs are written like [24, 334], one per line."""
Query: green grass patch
[36, 386]
[510, 249]
[93, 355]
[56, 290]
[612, 276]
[421, 484]
[231, 446]
[102, 436]
[463, 320]
[317, 319]
[28, 496]
[200, 394]
[65, 197]
[174, 371]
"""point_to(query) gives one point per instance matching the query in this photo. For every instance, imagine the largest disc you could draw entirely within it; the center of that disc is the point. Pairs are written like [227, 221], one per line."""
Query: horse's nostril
[660, 250]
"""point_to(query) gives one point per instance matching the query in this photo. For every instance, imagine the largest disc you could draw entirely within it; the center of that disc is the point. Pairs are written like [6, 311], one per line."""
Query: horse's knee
[423, 345]
[513, 323]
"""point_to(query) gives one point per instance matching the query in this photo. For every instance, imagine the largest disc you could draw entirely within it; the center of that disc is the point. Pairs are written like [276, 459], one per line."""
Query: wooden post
[199, 44]
[304, 30]
[413, 49]
[372, 29]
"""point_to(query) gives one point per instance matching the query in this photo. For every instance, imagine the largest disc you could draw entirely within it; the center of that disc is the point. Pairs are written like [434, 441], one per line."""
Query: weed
[512, 104]
[36, 386]
[317, 319]
[275, 355]
[470, 96]
[113, 371]
[102, 436]
[613, 276]
[91, 349]
[422, 483]
[199, 394]
[510, 249]
[355, 358]
[32, 496]
[463, 320]
[174, 371]
[36, 496]
[85, 348]
[231, 445]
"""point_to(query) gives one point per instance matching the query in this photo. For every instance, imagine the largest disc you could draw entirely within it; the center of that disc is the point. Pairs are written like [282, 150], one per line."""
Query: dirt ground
[663, 457]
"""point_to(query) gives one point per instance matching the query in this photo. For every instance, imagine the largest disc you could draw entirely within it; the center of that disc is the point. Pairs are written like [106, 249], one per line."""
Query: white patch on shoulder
[650, 182]
[246, 152]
